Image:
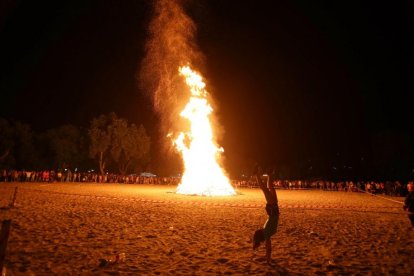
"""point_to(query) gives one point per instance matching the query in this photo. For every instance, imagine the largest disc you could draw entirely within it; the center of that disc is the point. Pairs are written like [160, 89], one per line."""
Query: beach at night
[66, 229]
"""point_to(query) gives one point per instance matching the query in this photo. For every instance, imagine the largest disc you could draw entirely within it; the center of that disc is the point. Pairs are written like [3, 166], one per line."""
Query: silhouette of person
[272, 209]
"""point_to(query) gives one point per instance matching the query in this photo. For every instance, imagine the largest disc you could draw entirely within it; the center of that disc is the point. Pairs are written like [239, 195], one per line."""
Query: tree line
[109, 143]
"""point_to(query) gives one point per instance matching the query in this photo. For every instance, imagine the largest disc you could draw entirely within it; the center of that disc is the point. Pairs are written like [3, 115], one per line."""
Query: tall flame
[202, 174]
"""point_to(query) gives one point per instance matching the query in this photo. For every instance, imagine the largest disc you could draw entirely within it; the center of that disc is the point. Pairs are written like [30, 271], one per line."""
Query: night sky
[309, 84]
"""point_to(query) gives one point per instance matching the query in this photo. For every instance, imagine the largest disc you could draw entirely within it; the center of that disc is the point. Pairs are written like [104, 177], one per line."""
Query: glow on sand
[202, 173]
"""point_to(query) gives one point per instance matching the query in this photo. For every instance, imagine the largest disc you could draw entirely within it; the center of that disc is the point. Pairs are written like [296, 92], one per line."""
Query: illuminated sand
[66, 228]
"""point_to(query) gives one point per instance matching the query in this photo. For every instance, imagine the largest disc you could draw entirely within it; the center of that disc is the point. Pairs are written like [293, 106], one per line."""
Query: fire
[202, 174]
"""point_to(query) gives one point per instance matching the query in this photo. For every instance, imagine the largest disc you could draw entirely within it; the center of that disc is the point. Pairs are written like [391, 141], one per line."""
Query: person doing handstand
[272, 209]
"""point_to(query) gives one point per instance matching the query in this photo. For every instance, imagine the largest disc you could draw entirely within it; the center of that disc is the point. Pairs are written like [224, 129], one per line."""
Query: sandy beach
[65, 229]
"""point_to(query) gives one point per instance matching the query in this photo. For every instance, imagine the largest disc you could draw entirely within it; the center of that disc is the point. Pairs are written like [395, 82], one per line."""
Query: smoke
[171, 44]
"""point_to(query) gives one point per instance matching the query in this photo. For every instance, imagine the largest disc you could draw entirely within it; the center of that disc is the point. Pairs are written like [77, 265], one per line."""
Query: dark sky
[316, 82]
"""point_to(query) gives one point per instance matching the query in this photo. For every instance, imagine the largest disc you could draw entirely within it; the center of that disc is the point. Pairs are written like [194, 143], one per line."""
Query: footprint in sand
[184, 254]
[222, 260]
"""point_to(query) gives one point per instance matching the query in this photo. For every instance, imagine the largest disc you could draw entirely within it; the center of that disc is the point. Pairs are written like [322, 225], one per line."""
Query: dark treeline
[109, 143]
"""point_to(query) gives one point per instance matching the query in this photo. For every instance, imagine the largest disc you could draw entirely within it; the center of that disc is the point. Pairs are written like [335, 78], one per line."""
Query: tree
[24, 150]
[16, 145]
[6, 142]
[64, 146]
[100, 139]
[113, 140]
[130, 145]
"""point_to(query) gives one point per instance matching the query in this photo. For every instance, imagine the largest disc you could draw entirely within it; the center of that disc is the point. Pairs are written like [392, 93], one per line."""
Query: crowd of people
[393, 188]
[91, 176]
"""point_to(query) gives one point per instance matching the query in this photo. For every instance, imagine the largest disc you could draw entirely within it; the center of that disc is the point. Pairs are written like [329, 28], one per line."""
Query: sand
[64, 229]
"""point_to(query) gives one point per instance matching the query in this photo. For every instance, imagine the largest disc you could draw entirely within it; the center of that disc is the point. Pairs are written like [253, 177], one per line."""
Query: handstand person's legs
[271, 187]
[265, 190]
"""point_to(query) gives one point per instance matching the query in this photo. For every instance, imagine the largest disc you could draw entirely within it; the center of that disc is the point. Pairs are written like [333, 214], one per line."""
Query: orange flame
[202, 174]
